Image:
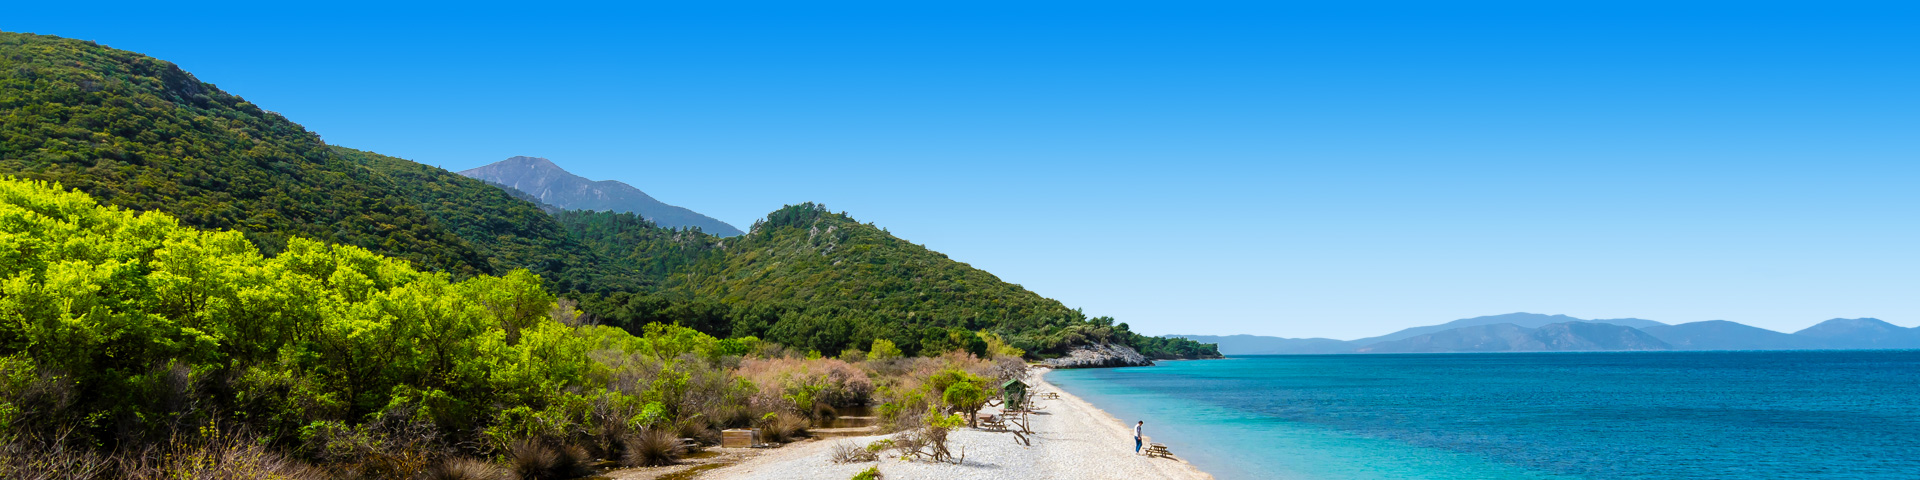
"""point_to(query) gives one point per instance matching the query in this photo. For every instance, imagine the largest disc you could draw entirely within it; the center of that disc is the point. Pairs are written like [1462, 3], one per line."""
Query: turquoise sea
[1651, 415]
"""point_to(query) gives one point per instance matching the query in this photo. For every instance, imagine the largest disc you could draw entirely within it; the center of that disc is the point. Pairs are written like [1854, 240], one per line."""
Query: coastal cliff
[1100, 356]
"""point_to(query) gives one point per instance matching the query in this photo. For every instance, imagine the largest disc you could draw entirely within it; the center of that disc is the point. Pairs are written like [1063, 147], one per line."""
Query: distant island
[1532, 332]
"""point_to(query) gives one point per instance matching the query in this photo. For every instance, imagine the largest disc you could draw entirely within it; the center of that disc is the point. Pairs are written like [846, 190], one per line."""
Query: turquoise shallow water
[1759, 415]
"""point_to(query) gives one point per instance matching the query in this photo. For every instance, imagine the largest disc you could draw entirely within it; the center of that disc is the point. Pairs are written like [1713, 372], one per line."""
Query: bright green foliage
[871, 473]
[139, 132]
[997, 347]
[17, 373]
[883, 349]
[140, 315]
[937, 420]
[945, 379]
[660, 340]
[967, 397]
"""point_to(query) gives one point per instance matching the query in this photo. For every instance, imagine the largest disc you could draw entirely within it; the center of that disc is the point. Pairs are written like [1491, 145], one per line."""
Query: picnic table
[1158, 450]
[993, 422]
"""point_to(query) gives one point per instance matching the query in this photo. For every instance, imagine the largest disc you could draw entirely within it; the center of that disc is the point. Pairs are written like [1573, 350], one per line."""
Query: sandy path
[1072, 440]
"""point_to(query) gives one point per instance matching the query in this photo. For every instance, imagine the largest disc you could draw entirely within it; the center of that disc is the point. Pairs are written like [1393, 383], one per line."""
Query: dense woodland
[247, 290]
[141, 133]
[810, 278]
[509, 231]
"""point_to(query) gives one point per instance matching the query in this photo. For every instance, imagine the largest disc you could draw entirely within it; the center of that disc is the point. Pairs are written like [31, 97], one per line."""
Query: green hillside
[139, 132]
[814, 279]
[639, 246]
[510, 232]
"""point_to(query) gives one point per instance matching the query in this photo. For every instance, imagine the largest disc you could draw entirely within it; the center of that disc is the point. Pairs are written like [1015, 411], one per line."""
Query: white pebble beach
[1071, 440]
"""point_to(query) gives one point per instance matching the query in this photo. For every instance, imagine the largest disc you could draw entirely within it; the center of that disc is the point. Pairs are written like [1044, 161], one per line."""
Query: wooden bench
[1158, 450]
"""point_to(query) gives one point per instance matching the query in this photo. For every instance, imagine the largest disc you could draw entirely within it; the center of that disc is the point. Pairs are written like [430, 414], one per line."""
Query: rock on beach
[1100, 356]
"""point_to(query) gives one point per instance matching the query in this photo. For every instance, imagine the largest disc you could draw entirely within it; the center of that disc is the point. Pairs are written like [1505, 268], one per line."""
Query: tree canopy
[141, 133]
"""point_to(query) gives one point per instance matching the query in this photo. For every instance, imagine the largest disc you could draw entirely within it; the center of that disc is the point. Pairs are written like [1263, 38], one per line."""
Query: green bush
[133, 328]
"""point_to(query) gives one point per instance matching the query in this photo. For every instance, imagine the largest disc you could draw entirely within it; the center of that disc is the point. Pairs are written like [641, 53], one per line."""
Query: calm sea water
[1763, 415]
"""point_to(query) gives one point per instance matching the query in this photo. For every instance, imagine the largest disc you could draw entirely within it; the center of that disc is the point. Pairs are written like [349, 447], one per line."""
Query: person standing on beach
[1136, 436]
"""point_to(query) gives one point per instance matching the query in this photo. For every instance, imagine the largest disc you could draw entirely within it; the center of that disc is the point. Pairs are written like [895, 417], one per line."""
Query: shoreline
[1072, 439]
[1185, 470]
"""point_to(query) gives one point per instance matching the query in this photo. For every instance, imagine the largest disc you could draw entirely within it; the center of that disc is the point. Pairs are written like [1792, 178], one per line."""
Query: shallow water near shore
[1762, 415]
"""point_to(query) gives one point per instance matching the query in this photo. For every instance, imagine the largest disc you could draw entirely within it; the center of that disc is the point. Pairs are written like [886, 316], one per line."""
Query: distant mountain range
[1531, 332]
[552, 185]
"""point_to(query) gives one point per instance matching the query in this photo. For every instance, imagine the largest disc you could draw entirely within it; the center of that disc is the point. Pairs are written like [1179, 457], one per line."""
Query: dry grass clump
[399, 443]
[782, 427]
[464, 469]
[36, 459]
[218, 457]
[929, 443]
[848, 452]
[213, 455]
[699, 430]
[652, 448]
[541, 460]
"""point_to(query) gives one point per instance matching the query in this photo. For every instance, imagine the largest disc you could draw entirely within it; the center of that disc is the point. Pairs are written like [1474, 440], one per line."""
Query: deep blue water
[1763, 415]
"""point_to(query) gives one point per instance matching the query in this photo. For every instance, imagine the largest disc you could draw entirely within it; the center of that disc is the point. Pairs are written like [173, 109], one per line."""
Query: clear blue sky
[1338, 169]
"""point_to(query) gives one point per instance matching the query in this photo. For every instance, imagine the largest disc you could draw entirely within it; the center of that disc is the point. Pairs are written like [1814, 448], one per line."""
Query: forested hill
[510, 231]
[141, 133]
[814, 279]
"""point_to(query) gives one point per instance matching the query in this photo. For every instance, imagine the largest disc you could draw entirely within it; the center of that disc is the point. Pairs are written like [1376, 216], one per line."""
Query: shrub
[928, 443]
[652, 448]
[542, 460]
[883, 349]
[847, 452]
[871, 473]
[734, 417]
[782, 427]
[699, 431]
[901, 409]
[797, 384]
[967, 397]
[464, 469]
[1007, 368]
